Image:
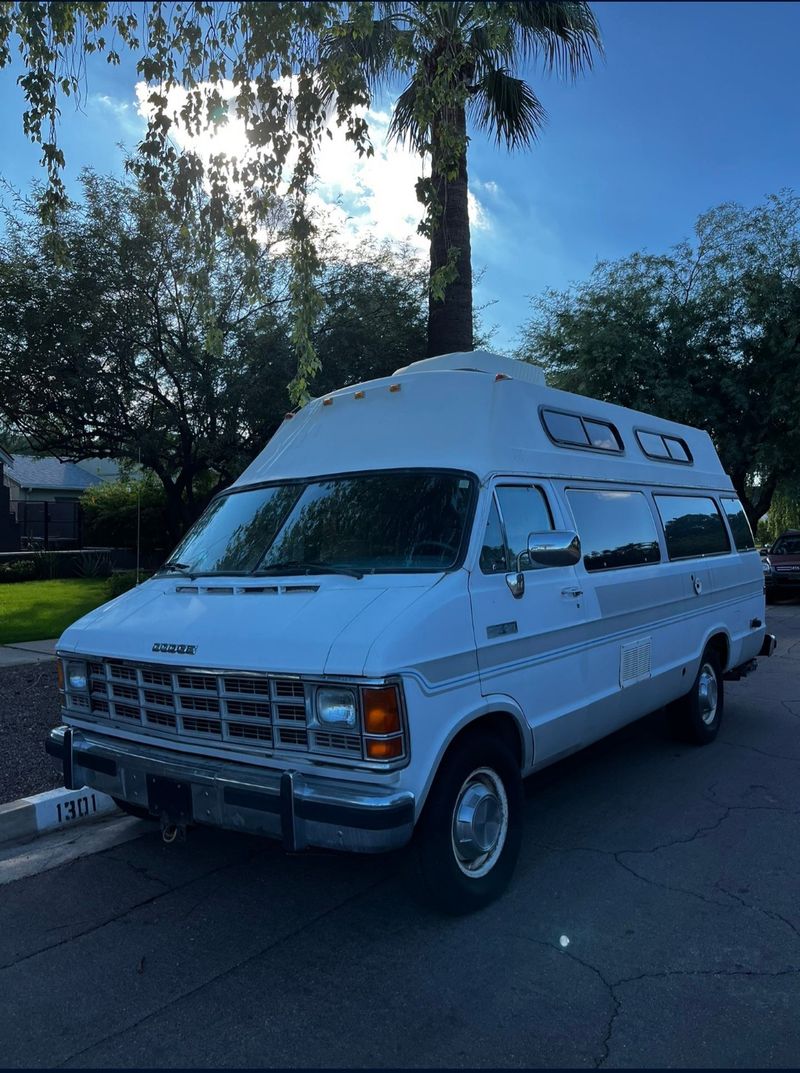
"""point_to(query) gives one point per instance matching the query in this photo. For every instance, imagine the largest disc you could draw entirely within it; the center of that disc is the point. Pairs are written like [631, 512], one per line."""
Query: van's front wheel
[468, 837]
[697, 716]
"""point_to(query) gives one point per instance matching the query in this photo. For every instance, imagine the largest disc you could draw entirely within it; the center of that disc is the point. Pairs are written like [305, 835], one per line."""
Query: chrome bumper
[301, 810]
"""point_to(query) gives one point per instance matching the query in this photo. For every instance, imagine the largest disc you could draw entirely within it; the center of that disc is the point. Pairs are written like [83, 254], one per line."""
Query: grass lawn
[36, 610]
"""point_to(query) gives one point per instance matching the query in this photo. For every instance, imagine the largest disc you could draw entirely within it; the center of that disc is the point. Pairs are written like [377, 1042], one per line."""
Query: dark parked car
[782, 565]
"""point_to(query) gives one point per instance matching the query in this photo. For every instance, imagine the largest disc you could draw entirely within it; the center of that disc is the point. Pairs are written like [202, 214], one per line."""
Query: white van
[425, 588]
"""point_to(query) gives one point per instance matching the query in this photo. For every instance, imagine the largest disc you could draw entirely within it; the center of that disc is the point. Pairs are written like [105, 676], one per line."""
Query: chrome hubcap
[707, 691]
[480, 822]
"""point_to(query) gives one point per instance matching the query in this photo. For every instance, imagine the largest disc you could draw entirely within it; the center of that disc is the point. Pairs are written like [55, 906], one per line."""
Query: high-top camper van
[424, 588]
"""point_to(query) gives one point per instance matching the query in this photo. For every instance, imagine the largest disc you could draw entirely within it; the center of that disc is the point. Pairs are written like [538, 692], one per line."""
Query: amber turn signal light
[384, 750]
[60, 675]
[381, 711]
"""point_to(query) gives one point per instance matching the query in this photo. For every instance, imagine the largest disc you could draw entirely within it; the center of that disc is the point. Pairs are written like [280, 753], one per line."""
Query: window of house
[693, 526]
[740, 527]
[616, 528]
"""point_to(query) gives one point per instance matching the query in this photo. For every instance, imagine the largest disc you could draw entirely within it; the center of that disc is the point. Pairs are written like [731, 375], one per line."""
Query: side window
[693, 526]
[493, 552]
[740, 527]
[525, 510]
[616, 528]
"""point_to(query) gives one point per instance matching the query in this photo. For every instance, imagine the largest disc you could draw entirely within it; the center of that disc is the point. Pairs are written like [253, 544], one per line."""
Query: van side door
[529, 646]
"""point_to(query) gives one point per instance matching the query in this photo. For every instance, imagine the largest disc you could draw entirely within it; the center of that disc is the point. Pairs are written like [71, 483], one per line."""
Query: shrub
[47, 565]
[21, 570]
[109, 514]
[96, 564]
[122, 581]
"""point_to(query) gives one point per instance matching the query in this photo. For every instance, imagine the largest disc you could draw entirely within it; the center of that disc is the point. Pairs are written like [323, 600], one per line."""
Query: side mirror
[554, 547]
[763, 551]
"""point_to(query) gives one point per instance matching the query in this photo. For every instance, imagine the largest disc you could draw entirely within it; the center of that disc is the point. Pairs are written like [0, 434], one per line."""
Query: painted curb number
[77, 808]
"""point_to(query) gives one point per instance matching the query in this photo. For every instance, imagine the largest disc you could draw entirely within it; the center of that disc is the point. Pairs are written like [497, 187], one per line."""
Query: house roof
[49, 473]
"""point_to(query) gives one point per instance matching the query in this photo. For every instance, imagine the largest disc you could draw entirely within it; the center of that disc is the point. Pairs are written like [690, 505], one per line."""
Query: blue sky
[695, 104]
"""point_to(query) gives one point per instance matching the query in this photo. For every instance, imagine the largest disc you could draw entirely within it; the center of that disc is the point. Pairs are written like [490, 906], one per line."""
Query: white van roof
[478, 412]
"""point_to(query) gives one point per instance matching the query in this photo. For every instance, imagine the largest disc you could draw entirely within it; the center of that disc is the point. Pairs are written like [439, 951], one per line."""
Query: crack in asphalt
[612, 986]
[125, 912]
[761, 752]
[310, 922]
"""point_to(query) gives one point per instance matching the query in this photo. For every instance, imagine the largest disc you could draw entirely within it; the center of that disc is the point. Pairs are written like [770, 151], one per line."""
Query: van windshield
[383, 521]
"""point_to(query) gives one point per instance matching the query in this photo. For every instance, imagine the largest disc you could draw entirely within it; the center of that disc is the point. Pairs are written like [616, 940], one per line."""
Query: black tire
[696, 718]
[139, 811]
[478, 765]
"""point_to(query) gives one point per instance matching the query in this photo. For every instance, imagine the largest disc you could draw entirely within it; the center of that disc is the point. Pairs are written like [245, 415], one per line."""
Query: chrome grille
[262, 712]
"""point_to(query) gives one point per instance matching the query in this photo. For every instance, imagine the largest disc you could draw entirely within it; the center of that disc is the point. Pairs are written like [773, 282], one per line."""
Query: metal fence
[49, 525]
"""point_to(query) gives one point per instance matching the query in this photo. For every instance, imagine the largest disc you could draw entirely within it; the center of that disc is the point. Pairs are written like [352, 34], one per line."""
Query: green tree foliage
[113, 512]
[141, 341]
[707, 334]
[459, 62]
[281, 68]
[784, 511]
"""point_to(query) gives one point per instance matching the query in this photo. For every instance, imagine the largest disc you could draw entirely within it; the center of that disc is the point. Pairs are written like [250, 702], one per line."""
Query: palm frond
[404, 127]
[373, 55]
[565, 37]
[507, 108]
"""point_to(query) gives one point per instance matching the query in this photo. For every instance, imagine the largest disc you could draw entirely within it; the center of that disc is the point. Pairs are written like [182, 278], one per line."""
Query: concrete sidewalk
[27, 652]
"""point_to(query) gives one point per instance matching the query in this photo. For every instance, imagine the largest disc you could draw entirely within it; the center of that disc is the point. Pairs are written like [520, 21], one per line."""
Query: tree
[459, 59]
[708, 334]
[261, 63]
[139, 340]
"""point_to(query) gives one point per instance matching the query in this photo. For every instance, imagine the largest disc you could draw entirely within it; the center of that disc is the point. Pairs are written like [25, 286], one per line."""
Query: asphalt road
[654, 921]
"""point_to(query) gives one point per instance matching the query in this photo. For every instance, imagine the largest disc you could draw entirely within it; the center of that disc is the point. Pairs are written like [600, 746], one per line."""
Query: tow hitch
[172, 832]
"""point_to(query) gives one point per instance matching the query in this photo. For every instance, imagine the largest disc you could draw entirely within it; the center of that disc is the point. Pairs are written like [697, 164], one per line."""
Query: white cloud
[372, 195]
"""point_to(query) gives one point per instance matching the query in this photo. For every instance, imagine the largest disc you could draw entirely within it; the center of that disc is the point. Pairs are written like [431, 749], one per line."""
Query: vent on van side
[634, 662]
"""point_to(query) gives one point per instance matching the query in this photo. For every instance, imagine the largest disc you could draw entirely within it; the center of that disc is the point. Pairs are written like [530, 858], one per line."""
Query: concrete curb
[29, 817]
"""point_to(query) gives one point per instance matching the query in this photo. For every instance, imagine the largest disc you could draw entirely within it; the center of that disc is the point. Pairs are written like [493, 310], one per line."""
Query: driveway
[654, 921]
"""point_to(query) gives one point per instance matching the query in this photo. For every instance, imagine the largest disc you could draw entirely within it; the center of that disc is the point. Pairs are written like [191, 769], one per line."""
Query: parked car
[781, 564]
[425, 588]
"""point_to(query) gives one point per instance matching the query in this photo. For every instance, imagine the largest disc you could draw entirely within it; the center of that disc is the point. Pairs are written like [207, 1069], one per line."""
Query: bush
[21, 570]
[47, 565]
[97, 564]
[122, 581]
[109, 514]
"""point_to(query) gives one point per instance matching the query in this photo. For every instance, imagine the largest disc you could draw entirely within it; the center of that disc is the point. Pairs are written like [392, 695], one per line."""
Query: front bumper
[300, 809]
[782, 579]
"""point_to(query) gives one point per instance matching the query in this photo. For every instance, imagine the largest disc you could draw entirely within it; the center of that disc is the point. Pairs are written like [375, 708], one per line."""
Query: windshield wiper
[300, 566]
[181, 567]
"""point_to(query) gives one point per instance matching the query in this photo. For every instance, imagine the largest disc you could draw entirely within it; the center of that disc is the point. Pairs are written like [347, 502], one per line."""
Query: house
[44, 499]
[9, 530]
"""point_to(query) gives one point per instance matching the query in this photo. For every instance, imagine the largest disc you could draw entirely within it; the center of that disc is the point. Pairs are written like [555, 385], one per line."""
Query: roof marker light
[288, 417]
[501, 376]
[358, 395]
[394, 387]
[327, 402]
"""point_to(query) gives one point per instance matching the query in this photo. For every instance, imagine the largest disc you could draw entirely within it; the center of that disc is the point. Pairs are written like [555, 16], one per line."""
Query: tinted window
[652, 444]
[566, 428]
[602, 436]
[693, 526]
[493, 553]
[677, 449]
[616, 529]
[664, 448]
[379, 521]
[525, 511]
[740, 527]
[788, 545]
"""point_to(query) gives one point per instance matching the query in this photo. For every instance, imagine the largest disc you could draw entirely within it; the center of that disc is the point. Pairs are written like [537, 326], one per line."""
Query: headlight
[76, 676]
[336, 707]
[766, 565]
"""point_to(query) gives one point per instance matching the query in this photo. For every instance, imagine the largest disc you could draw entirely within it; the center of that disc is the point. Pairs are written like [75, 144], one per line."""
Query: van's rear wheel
[696, 717]
[468, 837]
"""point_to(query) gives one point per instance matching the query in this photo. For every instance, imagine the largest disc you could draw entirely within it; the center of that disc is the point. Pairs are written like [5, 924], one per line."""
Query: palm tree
[459, 59]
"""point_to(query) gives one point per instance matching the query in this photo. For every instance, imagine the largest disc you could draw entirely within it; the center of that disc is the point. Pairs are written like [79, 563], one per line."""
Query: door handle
[572, 594]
